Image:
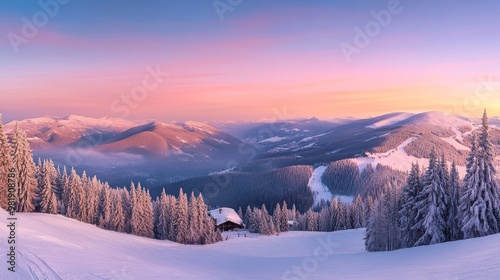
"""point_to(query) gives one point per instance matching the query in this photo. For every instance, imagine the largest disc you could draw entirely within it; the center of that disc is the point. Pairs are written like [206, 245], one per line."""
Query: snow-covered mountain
[397, 139]
[157, 152]
[55, 247]
[54, 133]
[189, 139]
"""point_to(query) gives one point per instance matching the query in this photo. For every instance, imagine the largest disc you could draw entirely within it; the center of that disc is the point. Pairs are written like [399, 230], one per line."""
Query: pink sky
[251, 66]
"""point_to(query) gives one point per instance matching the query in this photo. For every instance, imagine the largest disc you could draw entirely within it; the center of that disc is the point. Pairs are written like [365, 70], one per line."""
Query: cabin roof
[223, 215]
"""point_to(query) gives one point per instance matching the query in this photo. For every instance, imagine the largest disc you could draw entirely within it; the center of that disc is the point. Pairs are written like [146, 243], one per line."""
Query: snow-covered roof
[222, 215]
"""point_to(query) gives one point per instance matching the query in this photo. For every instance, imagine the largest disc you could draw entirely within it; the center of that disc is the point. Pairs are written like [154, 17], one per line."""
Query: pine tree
[408, 212]
[368, 209]
[357, 211]
[148, 214]
[194, 226]
[376, 238]
[182, 218]
[105, 210]
[22, 161]
[431, 206]
[453, 208]
[277, 218]
[5, 165]
[248, 219]
[479, 201]
[46, 196]
[172, 206]
[284, 218]
[58, 186]
[65, 192]
[162, 225]
[118, 217]
[127, 208]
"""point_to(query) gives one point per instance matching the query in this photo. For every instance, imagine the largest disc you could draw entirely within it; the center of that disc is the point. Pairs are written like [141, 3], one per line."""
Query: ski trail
[319, 190]
[38, 268]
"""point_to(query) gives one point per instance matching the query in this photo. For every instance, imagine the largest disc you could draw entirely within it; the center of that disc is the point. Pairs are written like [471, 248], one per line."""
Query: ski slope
[319, 190]
[397, 159]
[55, 247]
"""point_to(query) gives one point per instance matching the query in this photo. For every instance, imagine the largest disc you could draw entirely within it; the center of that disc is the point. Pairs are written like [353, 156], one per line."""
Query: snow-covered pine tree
[357, 212]
[105, 209]
[346, 209]
[193, 217]
[277, 218]
[376, 234]
[325, 219]
[127, 208]
[135, 210]
[431, 206]
[284, 227]
[408, 212]
[162, 224]
[368, 209]
[22, 161]
[311, 220]
[205, 229]
[65, 191]
[453, 205]
[52, 207]
[46, 196]
[248, 219]
[392, 204]
[40, 179]
[5, 164]
[146, 228]
[444, 175]
[479, 201]
[182, 218]
[382, 232]
[92, 192]
[58, 185]
[149, 215]
[118, 221]
[336, 215]
[172, 209]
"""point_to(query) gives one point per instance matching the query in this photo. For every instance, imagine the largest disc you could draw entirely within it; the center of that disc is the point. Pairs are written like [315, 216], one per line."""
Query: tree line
[332, 215]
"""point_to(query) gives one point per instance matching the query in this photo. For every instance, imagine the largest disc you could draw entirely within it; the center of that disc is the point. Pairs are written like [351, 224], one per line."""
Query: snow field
[55, 247]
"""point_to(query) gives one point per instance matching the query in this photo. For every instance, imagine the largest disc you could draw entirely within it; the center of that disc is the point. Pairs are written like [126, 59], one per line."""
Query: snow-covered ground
[54, 247]
[319, 190]
[397, 159]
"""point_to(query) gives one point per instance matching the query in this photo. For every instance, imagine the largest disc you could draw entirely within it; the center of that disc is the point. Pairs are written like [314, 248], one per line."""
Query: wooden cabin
[226, 219]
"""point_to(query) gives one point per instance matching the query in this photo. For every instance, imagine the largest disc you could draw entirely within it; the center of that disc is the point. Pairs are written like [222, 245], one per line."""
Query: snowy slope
[54, 247]
[319, 190]
[397, 159]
